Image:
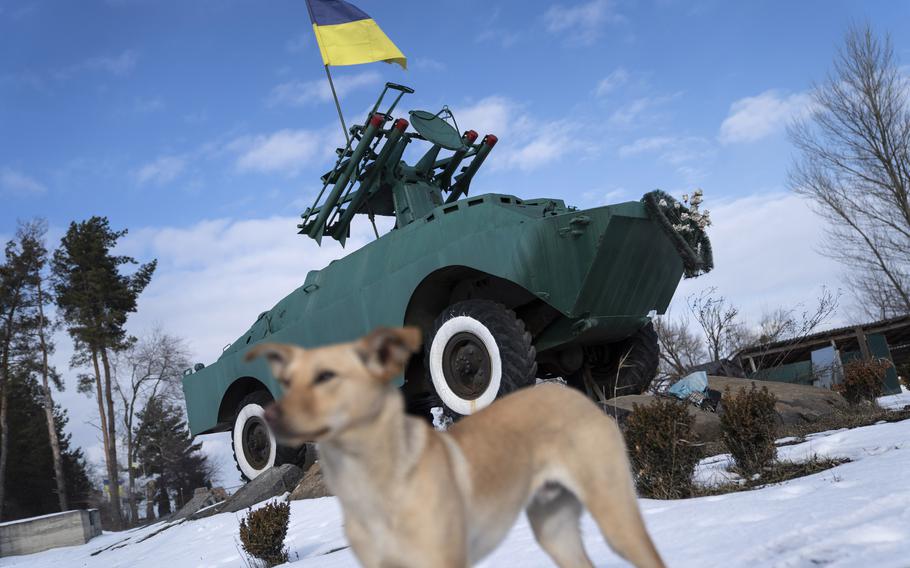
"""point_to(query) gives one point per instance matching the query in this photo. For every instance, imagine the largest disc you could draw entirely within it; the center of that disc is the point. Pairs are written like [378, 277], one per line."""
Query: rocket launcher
[370, 176]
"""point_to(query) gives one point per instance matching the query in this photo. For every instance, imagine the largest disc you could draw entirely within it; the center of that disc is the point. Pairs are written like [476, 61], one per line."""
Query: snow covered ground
[857, 514]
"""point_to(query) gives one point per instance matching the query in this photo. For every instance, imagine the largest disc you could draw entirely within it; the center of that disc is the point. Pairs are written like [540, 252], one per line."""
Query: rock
[311, 486]
[269, 483]
[796, 404]
[202, 497]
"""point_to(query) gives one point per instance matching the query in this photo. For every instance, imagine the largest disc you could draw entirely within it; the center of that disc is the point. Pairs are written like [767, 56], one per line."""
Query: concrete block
[69, 528]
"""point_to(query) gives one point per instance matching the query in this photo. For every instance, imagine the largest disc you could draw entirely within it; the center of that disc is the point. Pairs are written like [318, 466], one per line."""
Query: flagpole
[344, 127]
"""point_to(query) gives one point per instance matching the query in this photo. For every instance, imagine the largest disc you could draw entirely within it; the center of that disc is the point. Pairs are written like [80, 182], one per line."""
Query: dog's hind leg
[554, 514]
[606, 486]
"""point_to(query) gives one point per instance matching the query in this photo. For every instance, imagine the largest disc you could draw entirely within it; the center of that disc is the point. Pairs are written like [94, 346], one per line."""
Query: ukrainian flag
[347, 36]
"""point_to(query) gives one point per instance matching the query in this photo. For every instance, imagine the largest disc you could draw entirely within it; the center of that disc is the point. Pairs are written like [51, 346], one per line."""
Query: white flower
[662, 202]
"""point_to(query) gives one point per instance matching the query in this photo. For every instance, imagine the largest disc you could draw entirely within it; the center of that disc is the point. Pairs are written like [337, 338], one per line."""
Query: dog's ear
[278, 355]
[386, 350]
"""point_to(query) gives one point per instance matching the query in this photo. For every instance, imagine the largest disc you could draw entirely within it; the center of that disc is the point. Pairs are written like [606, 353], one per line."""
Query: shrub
[863, 380]
[748, 428]
[262, 533]
[662, 449]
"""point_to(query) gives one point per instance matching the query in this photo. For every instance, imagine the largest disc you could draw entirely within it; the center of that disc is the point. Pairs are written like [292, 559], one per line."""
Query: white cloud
[214, 277]
[285, 151]
[754, 118]
[765, 254]
[672, 150]
[302, 93]
[161, 171]
[582, 23]
[521, 145]
[611, 82]
[537, 153]
[427, 64]
[687, 154]
[642, 145]
[493, 115]
[16, 183]
[640, 110]
[145, 106]
[504, 37]
[119, 65]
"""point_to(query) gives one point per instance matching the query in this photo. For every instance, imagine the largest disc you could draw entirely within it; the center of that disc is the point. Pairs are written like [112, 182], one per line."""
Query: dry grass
[778, 472]
[855, 417]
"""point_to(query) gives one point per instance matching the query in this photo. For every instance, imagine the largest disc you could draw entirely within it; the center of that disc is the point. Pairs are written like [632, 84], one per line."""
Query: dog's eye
[324, 377]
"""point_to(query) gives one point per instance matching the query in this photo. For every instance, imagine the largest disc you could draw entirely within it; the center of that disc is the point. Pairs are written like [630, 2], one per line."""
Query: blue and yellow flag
[347, 36]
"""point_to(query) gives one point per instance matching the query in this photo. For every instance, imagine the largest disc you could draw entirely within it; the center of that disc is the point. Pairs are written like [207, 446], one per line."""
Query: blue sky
[203, 126]
[144, 111]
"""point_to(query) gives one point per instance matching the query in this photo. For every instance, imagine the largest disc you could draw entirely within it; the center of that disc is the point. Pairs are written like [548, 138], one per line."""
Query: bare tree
[854, 166]
[793, 326]
[149, 369]
[680, 348]
[717, 319]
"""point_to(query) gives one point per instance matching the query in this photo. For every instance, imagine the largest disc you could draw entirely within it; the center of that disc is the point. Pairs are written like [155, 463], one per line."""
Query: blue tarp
[696, 382]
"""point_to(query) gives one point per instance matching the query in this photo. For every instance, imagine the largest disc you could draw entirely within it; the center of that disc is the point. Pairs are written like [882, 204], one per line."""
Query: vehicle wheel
[254, 444]
[633, 364]
[478, 350]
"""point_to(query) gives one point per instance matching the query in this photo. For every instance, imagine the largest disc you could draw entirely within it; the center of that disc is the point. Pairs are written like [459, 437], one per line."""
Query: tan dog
[412, 496]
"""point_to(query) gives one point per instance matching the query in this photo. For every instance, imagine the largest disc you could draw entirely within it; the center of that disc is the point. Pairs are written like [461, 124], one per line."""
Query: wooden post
[863, 344]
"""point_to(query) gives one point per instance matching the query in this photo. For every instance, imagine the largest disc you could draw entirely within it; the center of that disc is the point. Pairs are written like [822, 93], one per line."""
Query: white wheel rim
[247, 412]
[455, 402]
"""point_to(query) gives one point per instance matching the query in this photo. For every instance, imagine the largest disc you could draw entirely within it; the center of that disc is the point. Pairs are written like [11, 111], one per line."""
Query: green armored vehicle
[506, 289]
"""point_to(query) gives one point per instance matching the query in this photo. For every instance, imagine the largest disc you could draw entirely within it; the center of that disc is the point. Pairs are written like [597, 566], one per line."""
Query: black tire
[250, 468]
[632, 365]
[459, 355]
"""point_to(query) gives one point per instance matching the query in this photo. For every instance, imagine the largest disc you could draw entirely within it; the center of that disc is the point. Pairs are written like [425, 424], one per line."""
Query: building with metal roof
[816, 359]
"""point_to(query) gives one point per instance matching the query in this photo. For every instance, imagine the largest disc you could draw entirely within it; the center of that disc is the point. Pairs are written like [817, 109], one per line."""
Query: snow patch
[852, 515]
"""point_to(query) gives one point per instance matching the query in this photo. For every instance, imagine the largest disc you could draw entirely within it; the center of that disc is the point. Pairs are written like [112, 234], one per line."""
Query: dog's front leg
[441, 557]
[367, 548]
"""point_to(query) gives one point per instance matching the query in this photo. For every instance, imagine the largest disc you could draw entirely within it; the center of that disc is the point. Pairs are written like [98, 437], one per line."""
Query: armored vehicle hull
[506, 290]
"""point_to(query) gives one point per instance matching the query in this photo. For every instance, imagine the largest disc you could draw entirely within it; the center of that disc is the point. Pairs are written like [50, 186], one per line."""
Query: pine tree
[31, 483]
[32, 342]
[19, 276]
[95, 299]
[165, 451]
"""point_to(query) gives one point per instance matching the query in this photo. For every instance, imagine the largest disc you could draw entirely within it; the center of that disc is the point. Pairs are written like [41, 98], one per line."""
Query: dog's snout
[272, 414]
